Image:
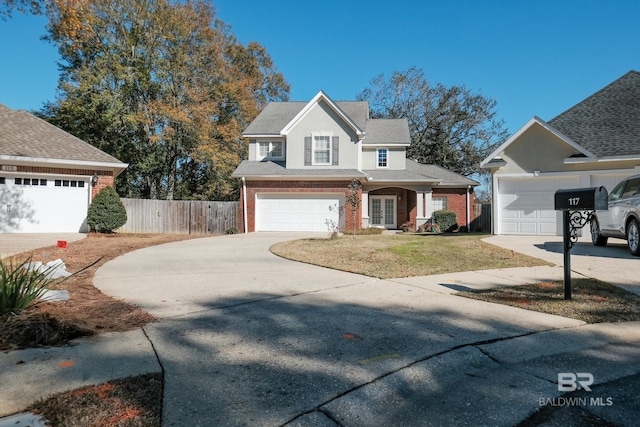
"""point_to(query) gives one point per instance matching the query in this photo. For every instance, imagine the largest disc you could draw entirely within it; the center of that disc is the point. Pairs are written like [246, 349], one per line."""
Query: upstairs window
[382, 157]
[321, 150]
[270, 150]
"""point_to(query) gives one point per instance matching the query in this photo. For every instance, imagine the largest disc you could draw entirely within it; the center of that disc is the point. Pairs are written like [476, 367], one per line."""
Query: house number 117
[574, 201]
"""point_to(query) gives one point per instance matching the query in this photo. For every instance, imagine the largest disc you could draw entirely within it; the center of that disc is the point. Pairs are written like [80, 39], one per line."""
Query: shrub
[20, 285]
[231, 230]
[447, 220]
[106, 212]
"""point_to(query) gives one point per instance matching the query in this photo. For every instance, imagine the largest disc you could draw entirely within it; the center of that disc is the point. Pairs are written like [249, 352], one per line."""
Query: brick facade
[457, 202]
[307, 187]
[406, 200]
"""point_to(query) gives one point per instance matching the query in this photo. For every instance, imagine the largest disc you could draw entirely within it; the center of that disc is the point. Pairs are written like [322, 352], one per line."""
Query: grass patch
[404, 255]
[592, 301]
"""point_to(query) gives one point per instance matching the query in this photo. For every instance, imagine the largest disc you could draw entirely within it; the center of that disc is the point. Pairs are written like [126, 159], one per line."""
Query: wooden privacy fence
[179, 216]
[481, 217]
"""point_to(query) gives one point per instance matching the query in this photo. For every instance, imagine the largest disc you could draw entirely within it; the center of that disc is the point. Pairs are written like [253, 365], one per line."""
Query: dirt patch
[88, 311]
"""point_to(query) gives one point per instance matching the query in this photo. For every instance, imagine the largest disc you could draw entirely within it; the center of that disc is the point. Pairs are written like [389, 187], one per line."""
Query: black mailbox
[581, 199]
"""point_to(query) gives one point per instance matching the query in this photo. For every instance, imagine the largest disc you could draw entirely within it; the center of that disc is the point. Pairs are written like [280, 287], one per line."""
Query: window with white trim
[270, 150]
[439, 203]
[321, 150]
[382, 157]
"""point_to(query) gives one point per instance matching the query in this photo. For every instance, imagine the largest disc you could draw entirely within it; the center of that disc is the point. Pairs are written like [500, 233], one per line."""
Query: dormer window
[382, 157]
[270, 150]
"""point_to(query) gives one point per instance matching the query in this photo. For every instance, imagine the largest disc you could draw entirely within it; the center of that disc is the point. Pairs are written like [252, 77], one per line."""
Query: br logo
[568, 381]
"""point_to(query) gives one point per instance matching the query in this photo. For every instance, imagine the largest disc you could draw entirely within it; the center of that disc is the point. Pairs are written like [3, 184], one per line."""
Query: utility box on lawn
[581, 199]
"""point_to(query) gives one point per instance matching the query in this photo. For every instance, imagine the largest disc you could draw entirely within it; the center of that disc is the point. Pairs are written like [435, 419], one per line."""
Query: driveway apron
[248, 338]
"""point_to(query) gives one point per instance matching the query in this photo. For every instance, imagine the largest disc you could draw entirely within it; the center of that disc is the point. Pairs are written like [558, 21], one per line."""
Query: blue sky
[533, 57]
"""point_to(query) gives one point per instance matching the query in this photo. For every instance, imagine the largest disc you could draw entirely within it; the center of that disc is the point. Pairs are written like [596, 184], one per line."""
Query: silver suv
[622, 218]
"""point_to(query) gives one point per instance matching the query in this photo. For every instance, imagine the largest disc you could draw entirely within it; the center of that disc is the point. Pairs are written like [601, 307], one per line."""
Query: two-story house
[303, 156]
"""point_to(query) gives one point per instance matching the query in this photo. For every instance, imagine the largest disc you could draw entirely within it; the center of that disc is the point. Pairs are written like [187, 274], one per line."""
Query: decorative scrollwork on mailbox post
[578, 206]
[577, 221]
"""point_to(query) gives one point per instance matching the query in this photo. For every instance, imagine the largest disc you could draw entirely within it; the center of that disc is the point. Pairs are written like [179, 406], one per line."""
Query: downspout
[468, 216]
[244, 204]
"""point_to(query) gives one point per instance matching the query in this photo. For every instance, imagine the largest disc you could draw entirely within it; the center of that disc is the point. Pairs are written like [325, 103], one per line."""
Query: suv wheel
[633, 244]
[596, 238]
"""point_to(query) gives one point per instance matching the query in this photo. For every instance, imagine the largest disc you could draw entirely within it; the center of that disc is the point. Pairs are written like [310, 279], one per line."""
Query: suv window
[632, 187]
[617, 191]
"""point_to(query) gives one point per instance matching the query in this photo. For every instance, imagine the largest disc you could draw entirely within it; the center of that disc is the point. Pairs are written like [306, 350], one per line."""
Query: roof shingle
[606, 123]
[24, 135]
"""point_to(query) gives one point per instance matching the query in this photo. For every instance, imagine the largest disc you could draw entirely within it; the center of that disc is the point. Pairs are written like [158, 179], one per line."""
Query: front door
[382, 211]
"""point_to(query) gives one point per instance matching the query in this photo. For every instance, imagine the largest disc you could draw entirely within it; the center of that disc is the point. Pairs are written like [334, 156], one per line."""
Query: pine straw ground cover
[127, 402]
[592, 301]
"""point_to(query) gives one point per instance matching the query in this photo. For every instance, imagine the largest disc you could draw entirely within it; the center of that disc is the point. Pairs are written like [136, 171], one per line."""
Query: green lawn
[403, 255]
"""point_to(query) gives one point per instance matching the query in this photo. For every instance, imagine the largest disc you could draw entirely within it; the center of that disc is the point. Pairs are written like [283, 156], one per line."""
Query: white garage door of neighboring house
[43, 204]
[526, 205]
[296, 212]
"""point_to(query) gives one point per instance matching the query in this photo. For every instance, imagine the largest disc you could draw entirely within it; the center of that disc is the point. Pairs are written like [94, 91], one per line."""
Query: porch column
[423, 201]
[365, 209]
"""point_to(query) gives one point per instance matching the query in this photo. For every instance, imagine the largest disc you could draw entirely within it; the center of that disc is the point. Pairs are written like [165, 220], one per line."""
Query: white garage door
[526, 205]
[285, 212]
[43, 204]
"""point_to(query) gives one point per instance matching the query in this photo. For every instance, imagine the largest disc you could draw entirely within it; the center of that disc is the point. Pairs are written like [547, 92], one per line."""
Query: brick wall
[457, 202]
[308, 187]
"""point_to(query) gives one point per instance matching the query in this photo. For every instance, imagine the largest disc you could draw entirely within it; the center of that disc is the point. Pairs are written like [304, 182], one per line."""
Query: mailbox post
[577, 206]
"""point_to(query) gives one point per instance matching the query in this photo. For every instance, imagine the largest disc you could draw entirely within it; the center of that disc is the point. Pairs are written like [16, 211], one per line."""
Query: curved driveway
[248, 338]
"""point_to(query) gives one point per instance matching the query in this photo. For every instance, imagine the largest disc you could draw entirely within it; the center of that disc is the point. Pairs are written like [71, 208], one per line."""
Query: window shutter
[307, 151]
[335, 148]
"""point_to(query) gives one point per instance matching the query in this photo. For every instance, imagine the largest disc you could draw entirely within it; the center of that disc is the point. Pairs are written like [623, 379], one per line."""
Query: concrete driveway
[15, 243]
[247, 338]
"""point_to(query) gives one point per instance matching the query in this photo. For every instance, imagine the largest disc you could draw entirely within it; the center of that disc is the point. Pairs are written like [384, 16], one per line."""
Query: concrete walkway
[246, 337]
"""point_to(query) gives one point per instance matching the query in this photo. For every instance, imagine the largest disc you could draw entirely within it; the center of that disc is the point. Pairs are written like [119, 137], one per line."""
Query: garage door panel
[297, 212]
[527, 205]
[52, 205]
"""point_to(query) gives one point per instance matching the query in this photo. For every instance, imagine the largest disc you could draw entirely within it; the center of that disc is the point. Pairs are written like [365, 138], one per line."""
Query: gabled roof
[491, 159]
[277, 118]
[603, 127]
[25, 137]
[321, 96]
[608, 122]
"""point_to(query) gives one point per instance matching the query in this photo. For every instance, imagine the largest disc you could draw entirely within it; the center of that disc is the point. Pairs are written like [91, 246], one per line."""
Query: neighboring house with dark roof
[594, 143]
[48, 177]
[303, 156]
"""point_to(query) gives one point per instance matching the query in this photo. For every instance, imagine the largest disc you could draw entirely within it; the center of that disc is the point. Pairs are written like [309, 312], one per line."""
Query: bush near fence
[180, 216]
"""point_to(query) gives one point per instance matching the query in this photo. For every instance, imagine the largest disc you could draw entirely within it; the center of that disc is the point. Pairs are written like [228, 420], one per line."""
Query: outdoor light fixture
[94, 179]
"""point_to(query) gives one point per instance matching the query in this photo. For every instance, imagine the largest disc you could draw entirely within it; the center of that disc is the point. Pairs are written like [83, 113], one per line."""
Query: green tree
[163, 86]
[106, 211]
[449, 126]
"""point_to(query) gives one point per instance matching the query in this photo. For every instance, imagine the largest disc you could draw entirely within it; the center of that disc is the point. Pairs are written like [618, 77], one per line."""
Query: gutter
[244, 204]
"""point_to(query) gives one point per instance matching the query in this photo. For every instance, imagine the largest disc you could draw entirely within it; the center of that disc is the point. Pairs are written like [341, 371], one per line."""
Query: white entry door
[382, 211]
